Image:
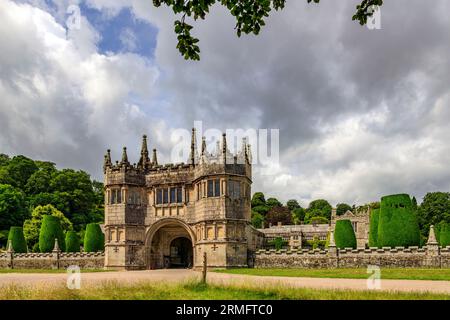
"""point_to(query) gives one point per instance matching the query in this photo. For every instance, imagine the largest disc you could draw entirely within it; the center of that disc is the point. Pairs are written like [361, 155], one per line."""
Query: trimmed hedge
[397, 224]
[278, 243]
[444, 234]
[51, 230]
[94, 239]
[17, 238]
[344, 236]
[72, 242]
[373, 228]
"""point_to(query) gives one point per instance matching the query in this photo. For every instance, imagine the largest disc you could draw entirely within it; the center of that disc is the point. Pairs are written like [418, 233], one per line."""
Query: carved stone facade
[168, 216]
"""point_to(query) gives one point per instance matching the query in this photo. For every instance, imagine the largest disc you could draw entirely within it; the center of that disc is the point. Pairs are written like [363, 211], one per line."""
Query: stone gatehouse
[160, 216]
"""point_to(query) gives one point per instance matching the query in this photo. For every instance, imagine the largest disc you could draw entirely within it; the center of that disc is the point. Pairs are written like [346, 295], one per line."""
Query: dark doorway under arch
[181, 255]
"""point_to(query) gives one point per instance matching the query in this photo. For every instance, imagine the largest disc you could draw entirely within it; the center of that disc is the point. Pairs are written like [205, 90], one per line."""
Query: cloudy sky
[361, 113]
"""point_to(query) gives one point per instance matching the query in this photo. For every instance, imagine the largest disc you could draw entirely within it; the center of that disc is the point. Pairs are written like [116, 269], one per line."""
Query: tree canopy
[250, 17]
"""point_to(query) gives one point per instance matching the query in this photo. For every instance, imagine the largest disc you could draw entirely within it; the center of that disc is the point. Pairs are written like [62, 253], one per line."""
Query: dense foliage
[344, 235]
[278, 243]
[51, 230]
[442, 233]
[373, 227]
[278, 214]
[32, 226]
[13, 209]
[17, 240]
[72, 242]
[26, 184]
[397, 224]
[434, 209]
[94, 239]
[342, 208]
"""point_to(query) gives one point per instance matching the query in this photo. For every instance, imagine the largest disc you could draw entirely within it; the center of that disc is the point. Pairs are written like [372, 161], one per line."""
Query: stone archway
[160, 238]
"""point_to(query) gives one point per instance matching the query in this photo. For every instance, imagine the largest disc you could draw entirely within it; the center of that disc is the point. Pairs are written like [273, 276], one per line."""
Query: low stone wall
[55, 260]
[398, 257]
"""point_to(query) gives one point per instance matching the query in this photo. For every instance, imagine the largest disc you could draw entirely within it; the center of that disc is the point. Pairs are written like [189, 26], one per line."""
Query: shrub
[17, 239]
[278, 243]
[51, 230]
[35, 248]
[344, 236]
[373, 228]
[94, 239]
[444, 234]
[318, 220]
[316, 243]
[397, 223]
[72, 242]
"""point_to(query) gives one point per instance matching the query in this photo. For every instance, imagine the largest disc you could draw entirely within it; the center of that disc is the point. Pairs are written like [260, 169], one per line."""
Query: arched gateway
[170, 243]
[168, 216]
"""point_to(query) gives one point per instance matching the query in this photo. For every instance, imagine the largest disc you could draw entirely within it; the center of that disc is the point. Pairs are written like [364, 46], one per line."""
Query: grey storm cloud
[361, 113]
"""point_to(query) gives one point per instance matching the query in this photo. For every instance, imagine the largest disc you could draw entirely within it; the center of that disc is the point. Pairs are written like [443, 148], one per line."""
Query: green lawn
[47, 270]
[386, 273]
[197, 291]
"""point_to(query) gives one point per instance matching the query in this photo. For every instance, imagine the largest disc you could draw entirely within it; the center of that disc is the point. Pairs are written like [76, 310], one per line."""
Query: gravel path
[175, 276]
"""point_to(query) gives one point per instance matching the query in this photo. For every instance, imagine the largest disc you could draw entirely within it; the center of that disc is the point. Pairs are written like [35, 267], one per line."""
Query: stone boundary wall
[430, 256]
[52, 260]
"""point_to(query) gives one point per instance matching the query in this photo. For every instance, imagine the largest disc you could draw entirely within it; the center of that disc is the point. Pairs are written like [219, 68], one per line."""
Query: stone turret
[154, 158]
[144, 159]
[124, 162]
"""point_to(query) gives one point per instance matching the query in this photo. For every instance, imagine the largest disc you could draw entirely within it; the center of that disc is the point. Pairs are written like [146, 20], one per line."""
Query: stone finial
[154, 158]
[10, 248]
[107, 161]
[193, 157]
[249, 153]
[332, 243]
[432, 236]
[56, 247]
[203, 146]
[124, 157]
[144, 153]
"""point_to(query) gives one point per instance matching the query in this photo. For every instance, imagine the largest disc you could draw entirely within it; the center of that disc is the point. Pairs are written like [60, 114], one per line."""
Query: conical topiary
[51, 230]
[397, 224]
[17, 239]
[344, 236]
[72, 242]
[373, 228]
[444, 234]
[94, 239]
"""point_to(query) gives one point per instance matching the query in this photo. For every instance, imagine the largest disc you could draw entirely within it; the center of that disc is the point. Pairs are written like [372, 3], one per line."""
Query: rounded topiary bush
[94, 239]
[344, 236]
[51, 230]
[72, 242]
[444, 234]
[17, 238]
[373, 228]
[397, 223]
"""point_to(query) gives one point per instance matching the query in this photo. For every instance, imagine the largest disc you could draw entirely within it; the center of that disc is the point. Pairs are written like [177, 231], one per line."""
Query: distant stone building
[168, 216]
[297, 235]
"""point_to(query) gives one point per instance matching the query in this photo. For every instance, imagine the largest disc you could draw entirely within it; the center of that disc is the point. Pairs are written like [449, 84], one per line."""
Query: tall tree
[273, 202]
[278, 214]
[32, 226]
[435, 208]
[342, 208]
[13, 207]
[293, 204]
